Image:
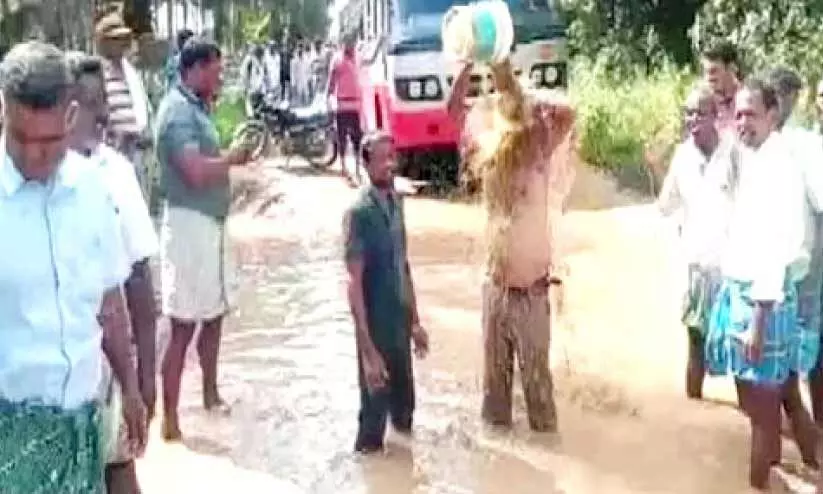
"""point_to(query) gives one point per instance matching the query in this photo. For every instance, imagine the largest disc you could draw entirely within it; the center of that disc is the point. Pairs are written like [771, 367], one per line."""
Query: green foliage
[769, 33]
[254, 26]
[229, 113]
[624, 120]
[630, 32]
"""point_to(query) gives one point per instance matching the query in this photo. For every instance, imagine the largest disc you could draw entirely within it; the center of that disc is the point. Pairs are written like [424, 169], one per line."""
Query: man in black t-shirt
[285, 70]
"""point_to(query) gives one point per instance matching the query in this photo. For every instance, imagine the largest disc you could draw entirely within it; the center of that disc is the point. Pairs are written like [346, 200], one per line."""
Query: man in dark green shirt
[381, 296]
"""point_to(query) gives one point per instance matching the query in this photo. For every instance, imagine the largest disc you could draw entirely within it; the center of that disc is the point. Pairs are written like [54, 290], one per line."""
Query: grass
[627, 120]
[229, 113]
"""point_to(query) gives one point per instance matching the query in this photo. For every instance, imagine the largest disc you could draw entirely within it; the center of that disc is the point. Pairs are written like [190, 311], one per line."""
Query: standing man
[140, 243]
[382, 300]
[194, 248]
[272, 60]
[61, 267]
[344, 87]
[127, 99]
[754, 332]
[511, 143]
[697, 185]
[298, 76]
[722, 72]
[807, 150]
[285, 70]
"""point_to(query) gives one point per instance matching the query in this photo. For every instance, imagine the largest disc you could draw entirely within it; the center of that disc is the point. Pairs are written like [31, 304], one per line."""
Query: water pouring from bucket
[482, 32]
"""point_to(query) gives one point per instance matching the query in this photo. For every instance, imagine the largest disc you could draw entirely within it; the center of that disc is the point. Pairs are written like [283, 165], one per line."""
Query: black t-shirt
[285, 65]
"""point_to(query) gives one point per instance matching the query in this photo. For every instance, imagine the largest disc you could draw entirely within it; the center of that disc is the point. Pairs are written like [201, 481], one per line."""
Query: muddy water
[288, 365]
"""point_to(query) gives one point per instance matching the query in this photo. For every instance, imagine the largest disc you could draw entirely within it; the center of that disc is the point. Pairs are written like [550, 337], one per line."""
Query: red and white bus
[406, 80]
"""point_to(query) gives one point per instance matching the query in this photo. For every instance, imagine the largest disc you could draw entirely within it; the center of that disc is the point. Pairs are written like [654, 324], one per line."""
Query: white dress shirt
[767, 229]
[139, 237]
[698, 187]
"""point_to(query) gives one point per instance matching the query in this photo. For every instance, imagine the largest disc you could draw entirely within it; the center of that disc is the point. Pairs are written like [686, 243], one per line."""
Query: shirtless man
[523, 189]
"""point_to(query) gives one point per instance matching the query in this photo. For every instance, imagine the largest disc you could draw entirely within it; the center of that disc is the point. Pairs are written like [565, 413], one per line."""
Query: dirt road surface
[288, 364]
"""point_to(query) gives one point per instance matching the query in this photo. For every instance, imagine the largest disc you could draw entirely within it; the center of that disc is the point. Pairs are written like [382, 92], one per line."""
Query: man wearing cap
[127, 99]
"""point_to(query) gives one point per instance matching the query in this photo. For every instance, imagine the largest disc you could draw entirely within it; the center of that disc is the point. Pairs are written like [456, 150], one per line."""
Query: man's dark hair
[767, 91]
[370, 140]
[82, 64]
[36, 75]
[183, 35]
[198, 51]
[724, 51]
[785, 80]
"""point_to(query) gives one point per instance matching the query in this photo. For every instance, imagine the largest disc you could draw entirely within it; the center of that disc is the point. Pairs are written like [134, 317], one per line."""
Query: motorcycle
[304, 131]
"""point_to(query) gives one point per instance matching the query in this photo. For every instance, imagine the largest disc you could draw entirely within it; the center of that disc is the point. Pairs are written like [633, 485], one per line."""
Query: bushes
[229, 113]
[625, 120]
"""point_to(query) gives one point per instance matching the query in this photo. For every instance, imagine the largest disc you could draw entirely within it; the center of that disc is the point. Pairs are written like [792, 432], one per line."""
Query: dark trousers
[348, 126]
[395, 401]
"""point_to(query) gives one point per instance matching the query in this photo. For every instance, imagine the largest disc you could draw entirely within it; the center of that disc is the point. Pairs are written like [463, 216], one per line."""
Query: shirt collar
[190, 96]
[11, 180]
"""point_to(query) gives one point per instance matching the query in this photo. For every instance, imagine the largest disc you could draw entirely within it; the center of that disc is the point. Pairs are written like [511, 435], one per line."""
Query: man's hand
[134, 414]
[421, 340]
[752, 340]
[374, 370]
[239, 155]
[554, 112]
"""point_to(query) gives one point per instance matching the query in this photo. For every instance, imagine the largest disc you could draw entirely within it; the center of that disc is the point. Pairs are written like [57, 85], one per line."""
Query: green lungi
[48, 450]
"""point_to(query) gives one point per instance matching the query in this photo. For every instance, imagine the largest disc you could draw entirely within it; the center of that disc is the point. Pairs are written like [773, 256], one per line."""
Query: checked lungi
[48, 450]
[788, 347]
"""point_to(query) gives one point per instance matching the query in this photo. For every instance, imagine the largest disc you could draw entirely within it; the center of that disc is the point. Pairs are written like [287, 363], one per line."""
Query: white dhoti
[197, 280]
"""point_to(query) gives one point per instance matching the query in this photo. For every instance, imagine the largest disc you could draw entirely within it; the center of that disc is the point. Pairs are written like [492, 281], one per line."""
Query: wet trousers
[395, 401]
[517, 321]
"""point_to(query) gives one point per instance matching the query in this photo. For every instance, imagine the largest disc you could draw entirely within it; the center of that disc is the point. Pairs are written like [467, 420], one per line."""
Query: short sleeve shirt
[376, 234]
[183, 122]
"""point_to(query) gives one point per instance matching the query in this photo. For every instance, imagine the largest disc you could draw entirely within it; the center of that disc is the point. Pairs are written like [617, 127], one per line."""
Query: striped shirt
[122, 117]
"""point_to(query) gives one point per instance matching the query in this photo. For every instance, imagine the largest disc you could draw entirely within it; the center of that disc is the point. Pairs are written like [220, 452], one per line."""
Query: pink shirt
[346, 84]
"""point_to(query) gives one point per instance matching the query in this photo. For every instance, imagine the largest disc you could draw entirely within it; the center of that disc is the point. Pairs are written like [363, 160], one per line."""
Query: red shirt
[346, 83]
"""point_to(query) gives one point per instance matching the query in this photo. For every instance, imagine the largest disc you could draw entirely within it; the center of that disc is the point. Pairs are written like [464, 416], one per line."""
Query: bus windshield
[416, 7]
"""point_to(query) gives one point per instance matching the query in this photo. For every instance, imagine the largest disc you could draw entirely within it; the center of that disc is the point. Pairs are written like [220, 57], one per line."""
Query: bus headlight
[536, 76]
[432, 88]
[550, 74]
[415, 89]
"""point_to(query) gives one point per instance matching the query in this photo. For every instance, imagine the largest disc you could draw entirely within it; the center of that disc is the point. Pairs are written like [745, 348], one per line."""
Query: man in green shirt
[381, 297]
[194, 256]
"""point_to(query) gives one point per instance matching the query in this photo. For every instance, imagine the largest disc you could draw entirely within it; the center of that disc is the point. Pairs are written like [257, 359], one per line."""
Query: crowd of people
[293, 71]
[748, 182]
[76, 402]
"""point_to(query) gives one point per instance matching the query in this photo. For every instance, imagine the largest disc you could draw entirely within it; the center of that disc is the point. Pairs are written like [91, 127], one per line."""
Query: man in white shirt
[753, 333]
[696, 186]
[140, 243]
[807, 147]
[272, 61]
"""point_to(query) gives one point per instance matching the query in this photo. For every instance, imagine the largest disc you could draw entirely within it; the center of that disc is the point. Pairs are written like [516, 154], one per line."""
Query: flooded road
[288, 366]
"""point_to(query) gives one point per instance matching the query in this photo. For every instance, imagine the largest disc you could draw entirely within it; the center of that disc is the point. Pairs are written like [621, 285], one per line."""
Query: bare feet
[171, 428]
[213, 403]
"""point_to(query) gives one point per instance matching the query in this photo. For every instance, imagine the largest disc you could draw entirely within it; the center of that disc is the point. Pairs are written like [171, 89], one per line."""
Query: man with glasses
[697, 186]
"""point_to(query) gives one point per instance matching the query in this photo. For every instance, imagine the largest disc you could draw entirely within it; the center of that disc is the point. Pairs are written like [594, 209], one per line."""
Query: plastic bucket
[482, 32]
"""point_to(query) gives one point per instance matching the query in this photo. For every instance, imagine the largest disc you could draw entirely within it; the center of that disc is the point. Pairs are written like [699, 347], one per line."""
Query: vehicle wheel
[324, 153]
[255, 135]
